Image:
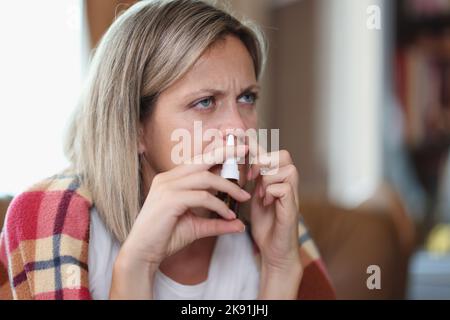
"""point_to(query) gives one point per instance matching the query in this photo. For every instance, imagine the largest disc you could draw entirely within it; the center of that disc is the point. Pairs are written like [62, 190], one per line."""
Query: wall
[295, 99]
[260, 12]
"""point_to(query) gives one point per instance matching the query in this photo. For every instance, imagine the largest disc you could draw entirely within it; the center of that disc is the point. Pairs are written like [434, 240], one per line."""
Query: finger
[265, 160]
[268, 199]
[209, 159]
[255, 149]
[263, 164]
[220, 154]
[275, 191]
[206, 180]
[283, 193]
[287, 173]
[204, 199]
[214, 227]
[269, 163]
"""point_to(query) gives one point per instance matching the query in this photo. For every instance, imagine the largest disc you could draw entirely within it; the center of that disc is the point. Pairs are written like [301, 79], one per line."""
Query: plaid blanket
[45, 239]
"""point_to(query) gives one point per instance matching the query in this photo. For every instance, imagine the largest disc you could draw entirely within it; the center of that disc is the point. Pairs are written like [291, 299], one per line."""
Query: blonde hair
[146, 49]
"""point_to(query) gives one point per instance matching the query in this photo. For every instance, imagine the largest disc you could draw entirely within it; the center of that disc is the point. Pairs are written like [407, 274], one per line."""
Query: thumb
[204, 227]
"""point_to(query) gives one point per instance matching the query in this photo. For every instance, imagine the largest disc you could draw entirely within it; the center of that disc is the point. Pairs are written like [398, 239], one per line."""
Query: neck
[148, 173]
[190, 265]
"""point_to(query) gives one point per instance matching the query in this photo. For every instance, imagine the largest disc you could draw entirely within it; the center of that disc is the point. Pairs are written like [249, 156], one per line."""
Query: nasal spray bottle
[230, 171]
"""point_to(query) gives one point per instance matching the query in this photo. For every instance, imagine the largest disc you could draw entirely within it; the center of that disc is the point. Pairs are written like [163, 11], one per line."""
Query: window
[41, 72]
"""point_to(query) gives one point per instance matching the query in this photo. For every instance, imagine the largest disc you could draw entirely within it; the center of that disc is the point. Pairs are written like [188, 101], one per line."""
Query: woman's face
[220, 90]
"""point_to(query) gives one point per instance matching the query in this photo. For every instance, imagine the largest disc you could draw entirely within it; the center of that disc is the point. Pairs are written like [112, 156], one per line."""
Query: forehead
[226, 61]
[228, 54]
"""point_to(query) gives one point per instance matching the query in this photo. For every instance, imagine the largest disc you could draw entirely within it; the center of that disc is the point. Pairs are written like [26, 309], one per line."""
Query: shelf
[410, 27]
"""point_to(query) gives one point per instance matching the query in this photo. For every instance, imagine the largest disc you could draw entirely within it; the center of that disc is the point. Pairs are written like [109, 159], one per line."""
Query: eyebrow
[215, 92]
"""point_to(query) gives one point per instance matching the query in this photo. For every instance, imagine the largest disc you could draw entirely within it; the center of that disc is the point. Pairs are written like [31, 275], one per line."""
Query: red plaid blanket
[45, 239]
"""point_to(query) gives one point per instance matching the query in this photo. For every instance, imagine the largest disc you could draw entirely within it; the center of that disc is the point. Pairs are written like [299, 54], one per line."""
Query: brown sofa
[377, 233]
[4, 203]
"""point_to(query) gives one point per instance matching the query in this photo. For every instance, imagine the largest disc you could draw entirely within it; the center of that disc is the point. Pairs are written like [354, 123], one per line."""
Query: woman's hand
[167, 223]
[274, 219]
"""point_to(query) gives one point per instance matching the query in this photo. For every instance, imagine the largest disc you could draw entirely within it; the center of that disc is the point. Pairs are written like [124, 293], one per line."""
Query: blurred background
[360, 90]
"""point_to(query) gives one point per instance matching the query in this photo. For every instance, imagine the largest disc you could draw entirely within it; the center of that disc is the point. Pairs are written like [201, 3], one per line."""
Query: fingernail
[245, 193]
[243, 229]
[232, 214]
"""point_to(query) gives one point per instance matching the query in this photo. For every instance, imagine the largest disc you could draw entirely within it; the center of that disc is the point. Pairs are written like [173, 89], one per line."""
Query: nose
[232, 121]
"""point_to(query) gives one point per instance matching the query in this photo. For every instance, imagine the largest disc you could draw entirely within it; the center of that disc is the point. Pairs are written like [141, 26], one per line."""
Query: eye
[205, 103]
[248, 98]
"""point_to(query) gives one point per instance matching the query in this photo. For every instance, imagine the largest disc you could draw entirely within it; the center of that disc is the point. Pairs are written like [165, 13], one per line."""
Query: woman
[141, 224]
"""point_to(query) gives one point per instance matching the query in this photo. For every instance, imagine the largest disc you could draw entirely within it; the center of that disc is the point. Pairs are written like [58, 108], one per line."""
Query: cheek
[162, 144]
[159, 144]
[250, 118]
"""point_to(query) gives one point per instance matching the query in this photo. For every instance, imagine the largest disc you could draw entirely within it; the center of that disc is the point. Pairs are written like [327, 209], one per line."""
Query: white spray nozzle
[230, 140]
[230, 168]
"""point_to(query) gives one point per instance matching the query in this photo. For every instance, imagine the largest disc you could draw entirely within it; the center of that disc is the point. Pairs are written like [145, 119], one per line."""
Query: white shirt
[233, 273]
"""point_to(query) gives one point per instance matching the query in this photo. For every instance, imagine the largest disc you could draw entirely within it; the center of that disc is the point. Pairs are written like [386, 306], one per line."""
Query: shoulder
[46, 235]
[55, 205]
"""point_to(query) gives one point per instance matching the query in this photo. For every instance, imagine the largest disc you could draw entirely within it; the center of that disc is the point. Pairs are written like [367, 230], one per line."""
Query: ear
[141, 140]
